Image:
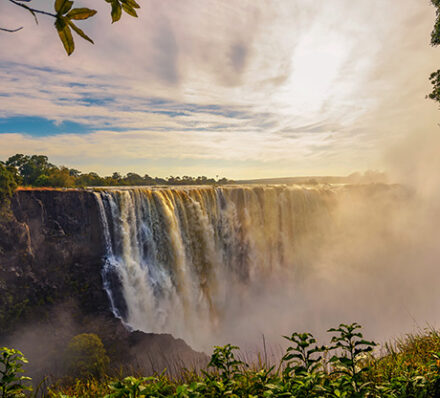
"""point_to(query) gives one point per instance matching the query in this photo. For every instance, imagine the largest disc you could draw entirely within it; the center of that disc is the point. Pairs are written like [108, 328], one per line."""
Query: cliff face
[63, 226]
[51, 248]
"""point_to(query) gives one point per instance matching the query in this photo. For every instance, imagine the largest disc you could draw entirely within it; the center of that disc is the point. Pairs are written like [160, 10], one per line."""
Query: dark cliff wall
[50, 251]
[51, 248]
[63, 226]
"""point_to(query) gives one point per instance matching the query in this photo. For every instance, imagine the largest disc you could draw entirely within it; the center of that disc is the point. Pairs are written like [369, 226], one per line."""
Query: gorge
[203, 263]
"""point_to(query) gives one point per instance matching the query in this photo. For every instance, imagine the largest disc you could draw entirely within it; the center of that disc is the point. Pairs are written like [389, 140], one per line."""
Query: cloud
[238, 56]
[167, 51]
[314, 87]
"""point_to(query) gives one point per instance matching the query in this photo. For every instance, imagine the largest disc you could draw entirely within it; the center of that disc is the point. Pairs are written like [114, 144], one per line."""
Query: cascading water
[179, 259]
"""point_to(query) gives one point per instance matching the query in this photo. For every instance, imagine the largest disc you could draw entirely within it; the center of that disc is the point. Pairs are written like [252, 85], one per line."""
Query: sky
[246, 89]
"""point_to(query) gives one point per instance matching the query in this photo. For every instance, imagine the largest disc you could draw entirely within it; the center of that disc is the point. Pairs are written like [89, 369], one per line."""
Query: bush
[11, 383]
[8, 183]
[346, 368]
[86, 356]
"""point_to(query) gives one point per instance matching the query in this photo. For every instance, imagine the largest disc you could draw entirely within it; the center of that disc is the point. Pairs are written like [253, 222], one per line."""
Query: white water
[183, 256]
[216, 264]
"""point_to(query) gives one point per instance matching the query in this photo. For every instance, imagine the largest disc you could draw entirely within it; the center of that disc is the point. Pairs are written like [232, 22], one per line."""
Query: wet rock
[51, 251]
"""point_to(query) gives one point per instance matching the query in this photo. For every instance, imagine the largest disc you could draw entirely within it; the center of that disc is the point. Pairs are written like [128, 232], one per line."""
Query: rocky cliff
[50, 251]
[51, 248]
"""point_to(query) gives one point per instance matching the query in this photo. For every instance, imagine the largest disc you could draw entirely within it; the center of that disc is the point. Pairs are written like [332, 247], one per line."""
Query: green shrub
[86, 356]
[11, 365]
[8, 182]
[344, 368]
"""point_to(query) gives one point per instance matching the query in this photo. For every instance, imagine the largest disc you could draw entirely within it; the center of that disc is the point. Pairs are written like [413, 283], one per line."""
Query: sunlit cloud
[253, 89]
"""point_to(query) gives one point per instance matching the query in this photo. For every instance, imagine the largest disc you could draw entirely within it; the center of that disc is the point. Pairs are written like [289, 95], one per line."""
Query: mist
[228, 265]
[374, 261]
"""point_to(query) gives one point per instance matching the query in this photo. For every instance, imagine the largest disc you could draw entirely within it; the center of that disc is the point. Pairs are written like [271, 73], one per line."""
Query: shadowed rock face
[51, 249]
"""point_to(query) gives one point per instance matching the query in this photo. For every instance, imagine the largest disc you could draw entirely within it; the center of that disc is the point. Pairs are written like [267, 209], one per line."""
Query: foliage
[435, 34]
[65, 15]
[30, 167]
[434, 78]
[353, 349]
[435, 41]
[86, 356]
[304, 372]
[405, 356]
[301, 357]
[132, 387]
[84, 388]
[37, 171]
[8, 182]
[11, 365]
[410, 368]
[224, 361]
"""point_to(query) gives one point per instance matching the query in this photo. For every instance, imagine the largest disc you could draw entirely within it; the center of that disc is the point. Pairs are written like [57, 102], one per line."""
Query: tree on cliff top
[30, 167]
[65, 15]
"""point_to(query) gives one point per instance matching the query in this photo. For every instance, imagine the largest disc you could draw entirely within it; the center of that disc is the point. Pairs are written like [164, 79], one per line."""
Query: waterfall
[177, 259]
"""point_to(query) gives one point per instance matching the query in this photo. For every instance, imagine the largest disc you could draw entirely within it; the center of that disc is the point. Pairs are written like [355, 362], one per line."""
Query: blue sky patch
[40, 127]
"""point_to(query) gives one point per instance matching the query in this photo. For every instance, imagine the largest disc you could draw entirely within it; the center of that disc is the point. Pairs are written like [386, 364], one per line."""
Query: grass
[411, 353]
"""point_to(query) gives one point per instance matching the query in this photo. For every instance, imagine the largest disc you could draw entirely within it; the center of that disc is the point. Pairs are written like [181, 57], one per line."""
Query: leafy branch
[65, 14]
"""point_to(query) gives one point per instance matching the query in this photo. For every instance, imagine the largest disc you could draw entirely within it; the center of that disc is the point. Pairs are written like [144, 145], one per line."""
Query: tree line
[37, 171]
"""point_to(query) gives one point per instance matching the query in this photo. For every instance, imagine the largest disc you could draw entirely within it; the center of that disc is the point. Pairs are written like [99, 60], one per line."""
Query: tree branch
[11, 30]
[33, 11]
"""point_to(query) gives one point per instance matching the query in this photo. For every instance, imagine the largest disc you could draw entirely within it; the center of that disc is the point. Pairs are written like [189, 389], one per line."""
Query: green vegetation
[11, 365]
[37, 171]
[347, 367]
[86, 356]
[65, 15]
[435, 41]
[8, 182]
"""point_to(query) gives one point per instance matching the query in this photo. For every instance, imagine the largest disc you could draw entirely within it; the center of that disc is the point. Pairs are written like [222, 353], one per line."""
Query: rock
[51, 250]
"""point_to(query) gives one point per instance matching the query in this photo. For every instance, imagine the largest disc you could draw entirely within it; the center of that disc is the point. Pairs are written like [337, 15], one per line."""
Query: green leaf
[129, 10]
[365, 342]
[116, 11]
[65, 35]
[81, 13]
[132, 3]
[58, 5]
[79, 32]
[63, 6]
